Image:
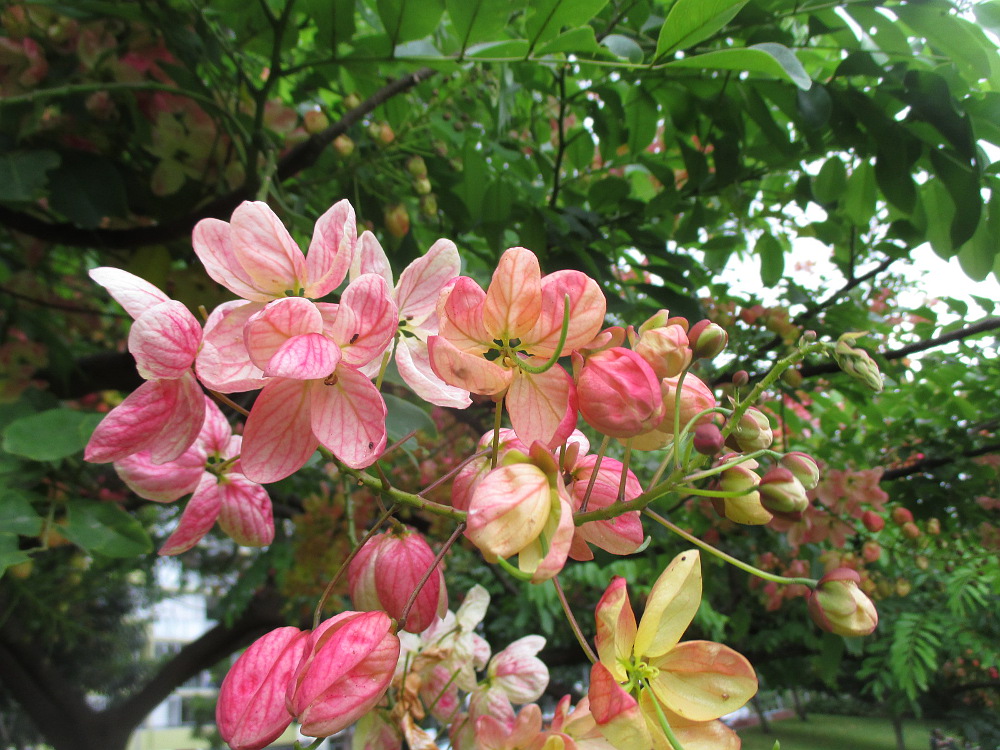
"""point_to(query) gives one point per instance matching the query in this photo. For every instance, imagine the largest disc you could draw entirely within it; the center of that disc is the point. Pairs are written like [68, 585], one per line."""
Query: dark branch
[924, 464]
[299, 158]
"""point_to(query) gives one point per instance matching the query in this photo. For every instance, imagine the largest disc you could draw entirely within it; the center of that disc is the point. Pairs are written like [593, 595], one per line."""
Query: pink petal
[268, 330]
[460, 315]
[132, 425]
[370, 258]
[198, 517]
[519, 672]
[223, 363]
[464, 370]
[361, 575]
[266, 251]
[251, 711]
[559, 538]
[164, 341]
[402, 562]
[162, 483]
[216, 433]
[134, 294]
[514, 299]
[509, 509]
[304, 358]
[366, 320]
[616, 629]
[277, 439]
[587, 309]
[184, 422]
[348, 417]
[702, 680]
[542, 407]
[414, 364]
[214, 248]
[616, 712]
[331, 250]
[245, 514]
[421, 282]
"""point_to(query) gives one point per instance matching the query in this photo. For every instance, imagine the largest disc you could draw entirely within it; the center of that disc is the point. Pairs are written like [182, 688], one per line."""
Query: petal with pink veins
[460, 316]
[198, 517]
[414, 364]
[469, 372]
[245, 513]
[305, 357]
[518, 671]
[164, 341]
[542, 407]
[421, 282]
[616, 629]
[370, 258]
[372, 322]
[331, 250]
[162, 483]
[616, 712]
[134, 424]
[268, 330]
[509, 509]
[266, 251]
[184, 422]
[223, 363]
[214, 247]
[348, 417]
[513, 301]
[216, 434]
[587, 309]
[132, 293]
[277, 439]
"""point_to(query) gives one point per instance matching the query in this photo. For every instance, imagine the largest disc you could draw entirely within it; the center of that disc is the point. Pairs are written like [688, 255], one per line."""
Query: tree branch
[299, 158]
[931, 463]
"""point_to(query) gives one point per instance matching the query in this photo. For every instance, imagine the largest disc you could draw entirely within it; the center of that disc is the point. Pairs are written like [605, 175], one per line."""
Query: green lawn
[824, 732]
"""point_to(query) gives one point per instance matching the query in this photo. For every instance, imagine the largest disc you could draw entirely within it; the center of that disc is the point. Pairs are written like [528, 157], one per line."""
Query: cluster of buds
[856, 362]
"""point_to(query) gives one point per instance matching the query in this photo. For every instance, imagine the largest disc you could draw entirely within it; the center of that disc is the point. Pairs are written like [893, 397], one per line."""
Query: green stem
[664, 724]
[311, 746]
[625, 462]
[573, 624]
[385, 362]
[428, 573]
[497, 421]
[729, 464]
[563, 333]
[593, 473]
[677, 418]
[811, 582]
[318, 613]
[516, 572]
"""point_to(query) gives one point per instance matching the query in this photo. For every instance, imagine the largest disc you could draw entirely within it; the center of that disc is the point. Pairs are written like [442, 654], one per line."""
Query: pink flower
[211, 470]
[165, 414]
[487, 339]
[695, 398]
[621, 535]
[385, 573]
[318, 394]
[346, 667]
[416, 296]
[619, 393]
[251, 711]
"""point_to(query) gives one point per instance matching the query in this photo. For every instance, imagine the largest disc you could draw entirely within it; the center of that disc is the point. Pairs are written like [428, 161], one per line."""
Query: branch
[302, 156]
[931, 463]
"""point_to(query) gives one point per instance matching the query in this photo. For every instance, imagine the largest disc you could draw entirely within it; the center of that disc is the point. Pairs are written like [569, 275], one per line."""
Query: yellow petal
[701, 680]
[615, 628]
[672, 605]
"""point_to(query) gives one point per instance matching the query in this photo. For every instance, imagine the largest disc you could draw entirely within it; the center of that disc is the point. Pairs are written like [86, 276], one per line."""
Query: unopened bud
[901, 515]
[911, 530]
[397, 220]
[746, 507]
[429, 205]
[315, 121]
[933, 526]
[416, 167]
[752, 432]
[782, 494]
[856, 362]
[708, 439]
[741, 378]
[352, 100]
[343, 145]
[422, 186]
[707, 339]
[872, 521]
[837, 604]
[803, 466]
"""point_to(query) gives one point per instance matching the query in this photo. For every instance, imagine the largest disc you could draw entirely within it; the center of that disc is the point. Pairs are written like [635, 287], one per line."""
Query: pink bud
[251, 710]
[666, 350]
[386, 572]
[839, 606]
[741, 378]
[804, 467]
[707, 339]
[708, 439]
[782, 494]
[752, 432]
[619, 393]
[345, 670]
[695, 397]
[872, 521]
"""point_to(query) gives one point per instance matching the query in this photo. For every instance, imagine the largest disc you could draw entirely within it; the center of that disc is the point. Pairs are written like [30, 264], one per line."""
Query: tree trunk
[761, 716]
[800, 709]
[897, 728]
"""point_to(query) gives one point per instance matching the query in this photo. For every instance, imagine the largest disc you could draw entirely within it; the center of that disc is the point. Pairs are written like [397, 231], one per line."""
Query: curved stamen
[539, 369]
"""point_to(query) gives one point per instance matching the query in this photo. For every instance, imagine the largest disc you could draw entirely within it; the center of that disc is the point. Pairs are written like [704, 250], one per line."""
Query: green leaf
[580, 40]
[86, 189]
[477, 21]
[17, 514]
[334, 21]
[980, 253]
[105, 529]
[691, 21]
[641, 118]
[893, 166]
[50, 435]
[546, 19]
[937, 209]
[859, 201]
[23, 174]
[405, 20]
[767, 59]
[404, 417]
[772, 259]
[623, 47]
[474, 179]
[831, 182]
[512, 49]
[10, 555]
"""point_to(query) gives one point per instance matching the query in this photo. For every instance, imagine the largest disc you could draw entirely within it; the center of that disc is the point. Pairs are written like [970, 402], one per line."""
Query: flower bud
[346, 667]
[666, 350]
[933, 526]
[708, 439]
[901, 516]
[397, 220]
[752, 432]
[745, 508]
[782, 494]
[416, 167]
[315, 121]
[911, 530]
[619, 394]
[856, 362]
[251, 711]
[837, 604]
[803, 466]
[343, 145]
[871, 551]
[707, 339]
[872, 521]
[741, 378]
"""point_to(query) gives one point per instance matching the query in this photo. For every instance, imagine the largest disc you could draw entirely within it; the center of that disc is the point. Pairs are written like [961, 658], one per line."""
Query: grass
[825, 732]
